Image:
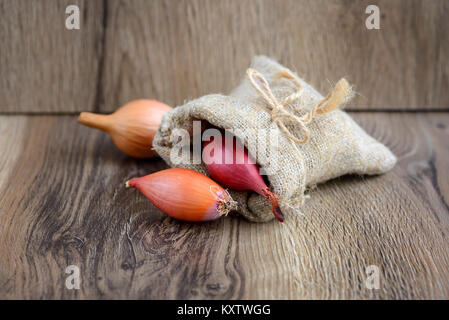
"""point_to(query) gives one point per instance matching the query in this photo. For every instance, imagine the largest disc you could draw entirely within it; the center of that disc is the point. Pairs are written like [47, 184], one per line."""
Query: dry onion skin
[132, 127]
[185, 194]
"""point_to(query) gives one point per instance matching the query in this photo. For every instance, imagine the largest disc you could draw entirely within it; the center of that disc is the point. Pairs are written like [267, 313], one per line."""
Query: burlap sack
[315, 143]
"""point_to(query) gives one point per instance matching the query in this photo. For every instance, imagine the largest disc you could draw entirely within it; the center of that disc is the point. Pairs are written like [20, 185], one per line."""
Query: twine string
[280, 115]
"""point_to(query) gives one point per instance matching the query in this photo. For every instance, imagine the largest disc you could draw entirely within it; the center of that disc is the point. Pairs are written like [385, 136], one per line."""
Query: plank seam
[101, 61]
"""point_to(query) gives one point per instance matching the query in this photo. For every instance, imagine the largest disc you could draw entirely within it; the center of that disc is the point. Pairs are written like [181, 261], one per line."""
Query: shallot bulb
[220, 158]
[132, 127]
[185, 194]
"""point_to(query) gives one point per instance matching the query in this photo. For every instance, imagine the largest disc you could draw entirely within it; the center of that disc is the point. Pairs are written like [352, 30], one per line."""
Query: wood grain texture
[43, 66]
[62, 202]
[177, 50]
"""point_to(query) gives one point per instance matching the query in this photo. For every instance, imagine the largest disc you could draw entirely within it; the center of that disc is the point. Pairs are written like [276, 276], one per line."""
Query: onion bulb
[185, 194]
[220, 158]
[132, 127]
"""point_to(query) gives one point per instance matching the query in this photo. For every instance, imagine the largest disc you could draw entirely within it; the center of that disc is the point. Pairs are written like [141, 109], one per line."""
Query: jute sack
[315, 141]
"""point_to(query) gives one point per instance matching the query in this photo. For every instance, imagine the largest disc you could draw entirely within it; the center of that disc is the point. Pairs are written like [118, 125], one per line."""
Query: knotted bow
[279, 114]
[340, 94]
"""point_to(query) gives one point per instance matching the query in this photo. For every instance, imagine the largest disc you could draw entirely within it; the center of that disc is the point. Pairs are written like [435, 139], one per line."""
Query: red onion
[241, 173]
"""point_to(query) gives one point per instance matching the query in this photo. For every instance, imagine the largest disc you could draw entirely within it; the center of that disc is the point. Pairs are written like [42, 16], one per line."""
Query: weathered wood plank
[62, 202]
[176, 50]
[11, 144]
[43, 66]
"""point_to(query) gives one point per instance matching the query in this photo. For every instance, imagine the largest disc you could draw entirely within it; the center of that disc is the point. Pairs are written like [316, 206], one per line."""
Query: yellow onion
[132, 127]
[185, 194]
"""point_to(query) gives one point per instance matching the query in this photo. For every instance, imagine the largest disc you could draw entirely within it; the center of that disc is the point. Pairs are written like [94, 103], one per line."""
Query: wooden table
[63, 202]
[62, 196]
